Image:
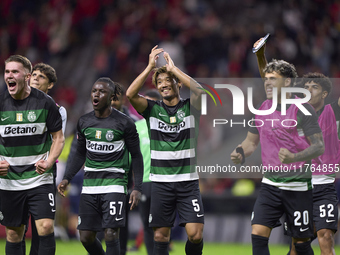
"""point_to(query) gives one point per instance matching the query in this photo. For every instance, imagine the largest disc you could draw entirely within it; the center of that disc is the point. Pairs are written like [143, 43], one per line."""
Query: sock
[124, 236]
[47, 245]
[161, 248]
[148, 240]
[290, 247]
[23, 242]
[95, 248]
[23, 246]
[193, 248]
[304, 248]
[112, 247]
[13, 248]
[260, 245]
[35, 242]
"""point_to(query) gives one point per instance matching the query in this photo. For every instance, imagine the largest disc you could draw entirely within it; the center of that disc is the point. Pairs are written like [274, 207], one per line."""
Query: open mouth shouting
[11, 85]
[95, 101]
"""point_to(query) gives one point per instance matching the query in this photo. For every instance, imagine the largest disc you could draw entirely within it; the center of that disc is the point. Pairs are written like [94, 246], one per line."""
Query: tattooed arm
[315, 149]
[312, 131]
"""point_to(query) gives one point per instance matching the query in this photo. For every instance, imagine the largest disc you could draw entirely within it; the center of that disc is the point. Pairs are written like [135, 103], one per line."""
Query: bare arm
[62, 187]
[315, 149]
[261, 58]
[249, 145]
[57, 146]
[139, 102]
[187, 81]
[4, 166]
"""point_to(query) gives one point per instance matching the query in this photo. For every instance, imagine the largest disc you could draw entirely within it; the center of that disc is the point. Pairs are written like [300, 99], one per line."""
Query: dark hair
[115, 87]
[158, 71]
[153, 93]
[283, 68]
[47, 70]
[318, 78]
[20, 59]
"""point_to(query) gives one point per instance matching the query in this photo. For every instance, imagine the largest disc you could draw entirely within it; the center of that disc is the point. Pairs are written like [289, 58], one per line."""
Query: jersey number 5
[196, 205]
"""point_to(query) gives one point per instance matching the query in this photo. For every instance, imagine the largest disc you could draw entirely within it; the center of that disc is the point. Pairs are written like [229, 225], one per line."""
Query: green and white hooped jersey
[25, 139]
[173, 135]
[107, 156]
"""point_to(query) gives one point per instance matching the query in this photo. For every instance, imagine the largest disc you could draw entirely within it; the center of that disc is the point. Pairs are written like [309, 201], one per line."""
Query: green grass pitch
[75, 248]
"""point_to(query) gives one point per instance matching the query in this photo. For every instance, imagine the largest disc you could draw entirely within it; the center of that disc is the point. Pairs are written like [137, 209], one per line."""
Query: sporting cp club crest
[31, 116]
[180, 114]
[109, 135]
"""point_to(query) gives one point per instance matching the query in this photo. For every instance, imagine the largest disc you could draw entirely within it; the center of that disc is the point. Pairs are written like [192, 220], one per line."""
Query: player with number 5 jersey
[173, 130]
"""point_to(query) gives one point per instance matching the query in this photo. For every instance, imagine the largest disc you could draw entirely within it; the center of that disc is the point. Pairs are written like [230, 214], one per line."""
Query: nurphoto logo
[238, 99]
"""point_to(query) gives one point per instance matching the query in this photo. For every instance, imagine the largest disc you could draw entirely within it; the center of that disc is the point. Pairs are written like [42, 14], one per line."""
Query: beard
[170, 97]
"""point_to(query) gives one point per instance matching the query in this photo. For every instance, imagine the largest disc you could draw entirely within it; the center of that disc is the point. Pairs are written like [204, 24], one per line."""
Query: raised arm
[261, 57]
[187, 81]
[63, 114]
[139, 102]
[249, 145]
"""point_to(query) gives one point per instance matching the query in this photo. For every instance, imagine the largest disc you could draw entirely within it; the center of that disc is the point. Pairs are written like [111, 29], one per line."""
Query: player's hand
[170, 64]
[236, 157]
[4, 166]
[62, 187]
[286, 156]
[154, 55]
[134, 198]
[262, 50]
[42, 166]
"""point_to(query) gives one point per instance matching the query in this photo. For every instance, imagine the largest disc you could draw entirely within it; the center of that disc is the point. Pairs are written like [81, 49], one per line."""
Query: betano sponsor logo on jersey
[171, 128]
[95, 146]
[16, 130]
[20, 130]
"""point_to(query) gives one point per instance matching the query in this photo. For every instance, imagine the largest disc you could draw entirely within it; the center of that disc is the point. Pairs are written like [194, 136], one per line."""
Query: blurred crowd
[206, 38]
